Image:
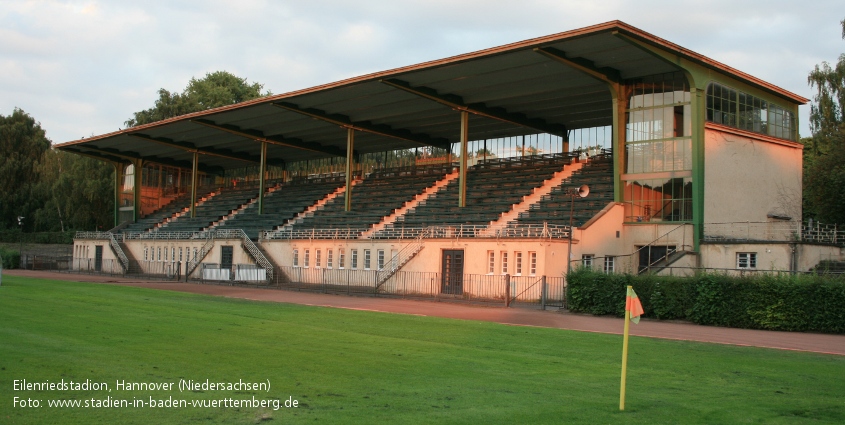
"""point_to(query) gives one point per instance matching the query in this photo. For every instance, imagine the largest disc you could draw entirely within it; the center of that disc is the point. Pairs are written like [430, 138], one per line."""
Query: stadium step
[317, 205]
[390, 219]
[535, 197]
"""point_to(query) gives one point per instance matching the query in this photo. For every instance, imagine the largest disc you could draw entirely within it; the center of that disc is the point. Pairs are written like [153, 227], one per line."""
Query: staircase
[310, 210]
[537, 194]
[386, 221]
[132, 263]
[118, 251]
[662, 263]
[406, 254]
[206, 248]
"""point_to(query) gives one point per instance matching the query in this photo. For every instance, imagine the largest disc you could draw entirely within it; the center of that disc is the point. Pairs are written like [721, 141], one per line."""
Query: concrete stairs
[536, 196]
[411, 204]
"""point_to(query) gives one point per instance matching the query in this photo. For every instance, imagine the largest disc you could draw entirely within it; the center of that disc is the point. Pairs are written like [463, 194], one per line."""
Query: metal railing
[538, 291]
[198, 257]
[406, 254]
[249, 245]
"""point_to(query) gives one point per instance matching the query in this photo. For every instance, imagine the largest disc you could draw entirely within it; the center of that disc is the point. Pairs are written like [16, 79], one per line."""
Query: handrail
[402, 257]
[249, 245]
[206, 247]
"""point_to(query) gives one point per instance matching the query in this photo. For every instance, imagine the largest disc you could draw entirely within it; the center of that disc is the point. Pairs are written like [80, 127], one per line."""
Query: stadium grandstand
[603, 147]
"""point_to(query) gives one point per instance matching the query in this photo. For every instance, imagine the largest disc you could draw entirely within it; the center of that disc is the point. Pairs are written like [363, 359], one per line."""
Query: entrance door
[98, 258]
[652, 255]
[452, 272]
[226, 257]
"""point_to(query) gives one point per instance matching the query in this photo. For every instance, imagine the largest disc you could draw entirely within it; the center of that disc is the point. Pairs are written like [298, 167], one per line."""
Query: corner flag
[633, 305]
[633, 311]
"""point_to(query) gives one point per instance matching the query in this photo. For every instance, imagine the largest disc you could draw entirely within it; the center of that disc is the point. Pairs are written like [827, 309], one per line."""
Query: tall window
[329, 259]
[366, 259]
[180, 253]
[317, 259]
[517, 260]
[146, 253]
[491, 262]
[354, 259]
[296, 258]
[532, 268]
[341, 258]
[658, 146]
[380, 258]
[504, 256]
[307, 258]
[744, 111]
[609, 264]
[158, 249]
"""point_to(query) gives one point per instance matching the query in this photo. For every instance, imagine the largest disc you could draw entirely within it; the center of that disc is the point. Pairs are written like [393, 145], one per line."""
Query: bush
[10, 259]
[812, 303]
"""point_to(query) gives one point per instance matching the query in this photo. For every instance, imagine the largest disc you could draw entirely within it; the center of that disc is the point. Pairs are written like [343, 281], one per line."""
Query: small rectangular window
[296, 258]
[587, 261]
[504, 262]
[307, 258]
[746, 260]
[366, 259]
[354, 259]
[491, 262]
[532, 258]
[317, 259]
[341, 258]
[517, 258]
[329, 259]
[609, 264]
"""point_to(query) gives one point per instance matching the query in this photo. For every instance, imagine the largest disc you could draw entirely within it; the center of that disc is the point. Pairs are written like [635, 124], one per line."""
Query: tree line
[58, 191]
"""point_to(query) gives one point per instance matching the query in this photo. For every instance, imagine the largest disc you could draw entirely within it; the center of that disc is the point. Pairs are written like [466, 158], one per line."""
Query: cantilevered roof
[509, 90]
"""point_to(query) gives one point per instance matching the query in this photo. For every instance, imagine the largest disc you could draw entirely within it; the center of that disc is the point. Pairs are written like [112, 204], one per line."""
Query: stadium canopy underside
[550, 84]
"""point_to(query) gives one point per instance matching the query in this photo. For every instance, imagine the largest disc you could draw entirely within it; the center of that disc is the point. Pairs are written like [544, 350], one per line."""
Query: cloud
[83, 67]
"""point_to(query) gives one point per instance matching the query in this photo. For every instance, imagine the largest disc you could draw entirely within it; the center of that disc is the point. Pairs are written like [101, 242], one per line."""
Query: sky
[81, 68]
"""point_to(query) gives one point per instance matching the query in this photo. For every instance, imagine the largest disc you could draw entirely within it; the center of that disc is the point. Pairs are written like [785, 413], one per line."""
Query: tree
[214, 90]
[77, 193]
[22, 142]
[824, 180]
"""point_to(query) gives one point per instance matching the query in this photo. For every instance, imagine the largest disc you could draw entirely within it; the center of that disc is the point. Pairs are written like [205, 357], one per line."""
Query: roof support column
[118, 172]
[462, 188]
[350, 158]
[697, 112]
[194, 175]
[136, 191]
[618, 128]
[262, 172]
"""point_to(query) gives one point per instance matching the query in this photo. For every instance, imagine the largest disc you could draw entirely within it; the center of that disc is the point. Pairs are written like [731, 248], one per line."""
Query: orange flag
[633, 304]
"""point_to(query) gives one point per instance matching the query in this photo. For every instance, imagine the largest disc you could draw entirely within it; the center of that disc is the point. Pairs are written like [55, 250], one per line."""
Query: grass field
[361, 367]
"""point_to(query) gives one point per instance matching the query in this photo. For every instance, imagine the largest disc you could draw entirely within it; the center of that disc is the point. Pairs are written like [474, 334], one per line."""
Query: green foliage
[214, 90]
[78, 193]
[807, 303]
[824, 173]
[22, 143]
[11, 259]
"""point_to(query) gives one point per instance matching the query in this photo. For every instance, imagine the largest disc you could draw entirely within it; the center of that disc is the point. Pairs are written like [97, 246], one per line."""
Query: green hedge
[11, 259]
[811, 303]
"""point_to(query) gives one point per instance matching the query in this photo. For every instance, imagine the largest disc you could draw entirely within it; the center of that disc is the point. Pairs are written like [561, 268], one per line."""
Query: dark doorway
[651, 255]
[226, 257]
[98, 258]
[452, 272]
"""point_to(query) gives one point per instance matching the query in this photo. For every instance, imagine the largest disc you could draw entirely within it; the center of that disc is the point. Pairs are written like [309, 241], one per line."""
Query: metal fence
[540, 291]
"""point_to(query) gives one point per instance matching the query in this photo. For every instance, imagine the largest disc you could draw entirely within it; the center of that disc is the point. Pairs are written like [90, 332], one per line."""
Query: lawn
[345, 366]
